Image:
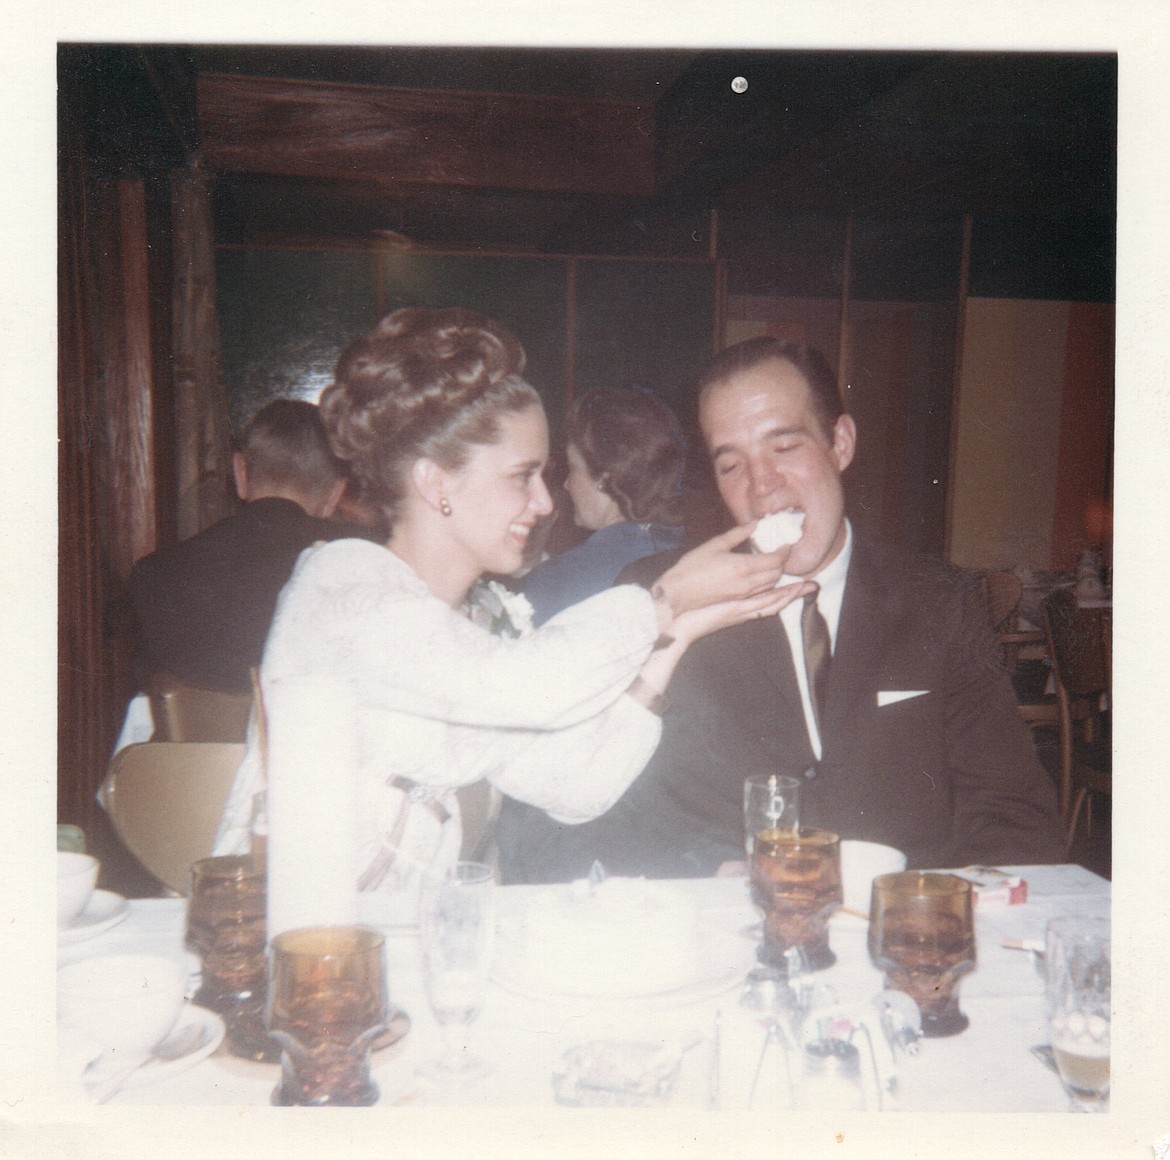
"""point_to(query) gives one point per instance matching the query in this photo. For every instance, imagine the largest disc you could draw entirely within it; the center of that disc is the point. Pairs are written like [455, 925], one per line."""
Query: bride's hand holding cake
[715, 586]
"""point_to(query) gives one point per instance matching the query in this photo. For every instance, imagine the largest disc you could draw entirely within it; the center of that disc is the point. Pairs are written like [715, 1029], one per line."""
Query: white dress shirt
[831, 578]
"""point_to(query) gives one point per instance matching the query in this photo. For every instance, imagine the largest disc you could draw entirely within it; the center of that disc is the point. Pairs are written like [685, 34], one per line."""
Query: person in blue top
[626, 455]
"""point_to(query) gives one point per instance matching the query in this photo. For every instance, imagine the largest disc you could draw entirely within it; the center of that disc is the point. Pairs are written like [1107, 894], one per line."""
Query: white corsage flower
[500, 610]
[516, 606]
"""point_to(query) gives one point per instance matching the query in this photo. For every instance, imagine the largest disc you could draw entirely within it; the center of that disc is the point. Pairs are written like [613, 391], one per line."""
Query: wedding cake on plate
[620, 936]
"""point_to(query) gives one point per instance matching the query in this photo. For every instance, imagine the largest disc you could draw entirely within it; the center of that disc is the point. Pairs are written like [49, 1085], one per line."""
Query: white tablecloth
[986, 1068]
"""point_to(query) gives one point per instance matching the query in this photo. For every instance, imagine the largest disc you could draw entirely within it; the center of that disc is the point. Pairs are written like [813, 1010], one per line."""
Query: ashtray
[616, 1073]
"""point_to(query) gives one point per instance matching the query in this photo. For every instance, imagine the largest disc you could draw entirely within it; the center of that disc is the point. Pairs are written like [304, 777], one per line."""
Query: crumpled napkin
[616, 1073]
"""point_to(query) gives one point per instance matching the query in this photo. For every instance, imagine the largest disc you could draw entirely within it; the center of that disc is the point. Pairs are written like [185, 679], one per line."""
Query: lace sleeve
[358, 610]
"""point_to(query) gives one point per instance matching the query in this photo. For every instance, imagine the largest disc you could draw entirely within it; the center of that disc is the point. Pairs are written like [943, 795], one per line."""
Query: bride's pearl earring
[444, 506]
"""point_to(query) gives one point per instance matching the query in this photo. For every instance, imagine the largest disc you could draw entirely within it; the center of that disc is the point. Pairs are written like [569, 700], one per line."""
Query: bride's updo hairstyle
[422, 384]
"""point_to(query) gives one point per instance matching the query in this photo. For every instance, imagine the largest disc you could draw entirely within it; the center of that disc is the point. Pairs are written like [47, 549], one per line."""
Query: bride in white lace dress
[446, 439]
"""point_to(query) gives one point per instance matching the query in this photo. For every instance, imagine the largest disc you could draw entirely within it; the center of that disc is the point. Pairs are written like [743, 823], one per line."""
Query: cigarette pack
[993, 887]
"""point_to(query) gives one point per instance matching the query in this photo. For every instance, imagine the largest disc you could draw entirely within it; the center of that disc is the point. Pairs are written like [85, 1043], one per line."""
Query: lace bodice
[442, 702]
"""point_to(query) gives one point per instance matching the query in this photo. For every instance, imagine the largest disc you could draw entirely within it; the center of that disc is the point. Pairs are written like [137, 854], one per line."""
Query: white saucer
[210, 1028]
[104, 910]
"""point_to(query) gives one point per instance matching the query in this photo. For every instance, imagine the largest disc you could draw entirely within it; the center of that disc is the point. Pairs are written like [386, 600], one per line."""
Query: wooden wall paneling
[899, 350]
[128, 468]
[1086, 433]
[816, 321]
[429, 136]
[128, 400]
[570, 332]
[879, 348]
[957, 379]
[719, 321]
[844, 337]
[1008, 421]
[104, 352]
[201, 423]
[113, 257]
[898, 392]
[80, 736]
[927, 434]
[123, 364]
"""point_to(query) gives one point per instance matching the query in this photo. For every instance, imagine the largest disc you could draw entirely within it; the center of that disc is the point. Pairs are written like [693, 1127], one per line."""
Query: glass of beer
[1077, 966]
[922, 934]
[326, 1003]
[796, 883]
[227, 928]
[770, 802]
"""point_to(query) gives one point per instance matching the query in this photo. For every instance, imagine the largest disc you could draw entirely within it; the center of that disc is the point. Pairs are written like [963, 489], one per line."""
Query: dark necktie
[817, 654]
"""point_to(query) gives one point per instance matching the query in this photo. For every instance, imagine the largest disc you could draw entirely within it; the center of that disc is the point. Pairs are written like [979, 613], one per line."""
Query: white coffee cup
[861, 863]
[118, 1007]
[76, 878]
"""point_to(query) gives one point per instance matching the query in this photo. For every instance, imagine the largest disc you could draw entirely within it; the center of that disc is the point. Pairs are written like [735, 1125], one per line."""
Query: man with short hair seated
[883, 691]
[203, 607]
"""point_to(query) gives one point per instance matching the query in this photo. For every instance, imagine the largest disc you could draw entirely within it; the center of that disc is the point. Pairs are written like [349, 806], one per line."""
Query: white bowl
[119, 1006]
[861, 863]
[76, 878]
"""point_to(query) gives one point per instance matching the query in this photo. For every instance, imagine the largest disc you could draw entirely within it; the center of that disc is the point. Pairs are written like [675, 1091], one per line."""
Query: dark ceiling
[592, 73]
[816, 134]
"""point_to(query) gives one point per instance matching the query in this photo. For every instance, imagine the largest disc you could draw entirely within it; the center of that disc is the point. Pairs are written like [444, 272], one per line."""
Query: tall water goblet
[922, 934]
[458, 935]
[1077, 966]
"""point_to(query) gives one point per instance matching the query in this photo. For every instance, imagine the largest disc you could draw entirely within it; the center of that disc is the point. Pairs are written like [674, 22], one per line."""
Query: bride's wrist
[647, 695]
[664, 613]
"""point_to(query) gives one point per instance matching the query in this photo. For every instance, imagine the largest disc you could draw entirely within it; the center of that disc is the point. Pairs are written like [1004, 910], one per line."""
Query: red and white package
[992, 887]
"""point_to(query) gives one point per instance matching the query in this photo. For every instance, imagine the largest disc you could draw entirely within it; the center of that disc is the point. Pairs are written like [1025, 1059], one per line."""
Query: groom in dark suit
[907, 734]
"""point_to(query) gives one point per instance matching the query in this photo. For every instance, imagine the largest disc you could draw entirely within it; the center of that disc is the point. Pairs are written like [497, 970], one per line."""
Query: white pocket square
[893, 696]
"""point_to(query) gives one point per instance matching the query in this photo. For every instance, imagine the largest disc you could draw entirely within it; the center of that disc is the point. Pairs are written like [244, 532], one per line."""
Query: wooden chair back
[1002, 591]
[1077, 640]
[185, 712]
[1081, 649]
[165, 800]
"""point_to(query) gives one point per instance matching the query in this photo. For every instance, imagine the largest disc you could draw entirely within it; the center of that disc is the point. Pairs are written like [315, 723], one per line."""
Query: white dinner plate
[205, 1030]
[104, 910]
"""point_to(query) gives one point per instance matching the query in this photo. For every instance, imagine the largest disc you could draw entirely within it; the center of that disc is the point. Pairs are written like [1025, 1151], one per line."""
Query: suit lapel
[765, 662]
[861, 640]
[774, 656]
[761, 650]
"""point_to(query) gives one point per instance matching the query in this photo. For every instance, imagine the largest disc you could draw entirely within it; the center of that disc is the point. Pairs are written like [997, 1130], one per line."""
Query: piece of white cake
[621, 936]
[778, 530]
